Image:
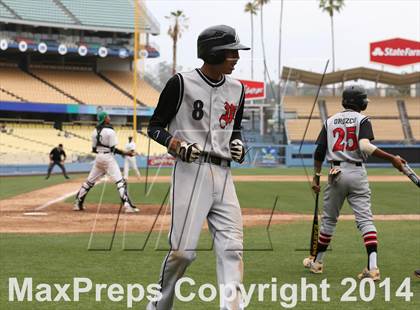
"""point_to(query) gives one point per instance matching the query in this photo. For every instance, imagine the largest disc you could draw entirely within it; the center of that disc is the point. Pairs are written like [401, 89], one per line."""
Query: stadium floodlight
[103, 52]
[123, 53]
[23, 46]
[42, 48]
[83, 50]
[143, 53]
[4, 45]
[62, 49]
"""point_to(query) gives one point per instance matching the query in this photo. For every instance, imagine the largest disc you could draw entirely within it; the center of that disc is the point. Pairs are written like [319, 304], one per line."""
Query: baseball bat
[411, 174]
[315, 224]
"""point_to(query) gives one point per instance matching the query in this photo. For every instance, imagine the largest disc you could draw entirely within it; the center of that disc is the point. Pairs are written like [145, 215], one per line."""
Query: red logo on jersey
[227, 118]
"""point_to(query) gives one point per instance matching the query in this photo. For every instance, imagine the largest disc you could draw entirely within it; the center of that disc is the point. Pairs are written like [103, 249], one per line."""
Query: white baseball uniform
[104, 141]
[343, 134]
[198, 110]
[339, 141]
[130, 160]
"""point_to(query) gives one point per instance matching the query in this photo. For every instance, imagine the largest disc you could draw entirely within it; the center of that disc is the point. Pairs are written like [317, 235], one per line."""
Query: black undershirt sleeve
[366, 131]
[116, 151]
[322, 143]
[165, 111]
[236, 134]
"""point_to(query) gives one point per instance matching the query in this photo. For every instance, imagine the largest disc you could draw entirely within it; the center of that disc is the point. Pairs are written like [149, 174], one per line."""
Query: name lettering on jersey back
[228, 116]
[345, 121]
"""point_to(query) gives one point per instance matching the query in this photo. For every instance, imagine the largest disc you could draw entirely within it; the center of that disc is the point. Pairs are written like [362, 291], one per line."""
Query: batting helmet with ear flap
[214, 41]
[355, 98]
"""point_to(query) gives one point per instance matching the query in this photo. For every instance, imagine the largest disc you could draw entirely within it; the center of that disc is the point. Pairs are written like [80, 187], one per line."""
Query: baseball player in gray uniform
[345, 141]
[198, 118]
[104, 142]
[130, 160]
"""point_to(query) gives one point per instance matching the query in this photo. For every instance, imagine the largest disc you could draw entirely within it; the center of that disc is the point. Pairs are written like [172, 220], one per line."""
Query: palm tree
[261, 4]
[252, 8]
[175, 31]
[331, 6]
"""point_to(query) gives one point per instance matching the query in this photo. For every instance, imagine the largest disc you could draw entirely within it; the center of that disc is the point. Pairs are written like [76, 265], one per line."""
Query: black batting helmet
[355, 98]
[214, 41]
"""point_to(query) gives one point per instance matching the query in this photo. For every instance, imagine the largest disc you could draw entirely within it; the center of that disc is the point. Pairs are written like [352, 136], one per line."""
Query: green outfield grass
[12, 186]
[387, 198]
[60, 258]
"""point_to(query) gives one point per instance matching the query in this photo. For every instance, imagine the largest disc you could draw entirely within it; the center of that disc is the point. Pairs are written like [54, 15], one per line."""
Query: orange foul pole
[135, 69]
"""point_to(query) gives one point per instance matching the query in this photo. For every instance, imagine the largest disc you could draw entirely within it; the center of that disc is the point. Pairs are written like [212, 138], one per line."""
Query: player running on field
[104, 142]
[202, 111]
[345, 142]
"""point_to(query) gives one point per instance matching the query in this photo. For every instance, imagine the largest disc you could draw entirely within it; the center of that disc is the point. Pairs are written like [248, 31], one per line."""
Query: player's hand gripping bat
[411, 174]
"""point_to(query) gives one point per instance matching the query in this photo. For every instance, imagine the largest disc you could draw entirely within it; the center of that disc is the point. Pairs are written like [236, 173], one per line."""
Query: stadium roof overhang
[149, 28]
[314, 78]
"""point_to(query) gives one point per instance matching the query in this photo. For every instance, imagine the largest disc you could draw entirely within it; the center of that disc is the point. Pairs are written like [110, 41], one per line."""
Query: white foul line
[61, 198]
[51, 202]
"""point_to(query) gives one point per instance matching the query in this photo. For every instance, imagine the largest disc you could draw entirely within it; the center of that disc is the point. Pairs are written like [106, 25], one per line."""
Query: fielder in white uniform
[104, 142]
[130, 160]
[202, 111]
[345, 142]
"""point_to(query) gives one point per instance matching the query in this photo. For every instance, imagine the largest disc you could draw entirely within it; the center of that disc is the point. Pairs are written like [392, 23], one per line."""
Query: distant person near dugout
[130, 160]
[57, 157]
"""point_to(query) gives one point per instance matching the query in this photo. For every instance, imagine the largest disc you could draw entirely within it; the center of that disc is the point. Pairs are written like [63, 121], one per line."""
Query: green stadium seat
[45, 10]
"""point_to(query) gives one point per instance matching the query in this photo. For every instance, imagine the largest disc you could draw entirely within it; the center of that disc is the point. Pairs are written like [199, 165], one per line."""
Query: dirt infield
[42, 211]
[59, 218]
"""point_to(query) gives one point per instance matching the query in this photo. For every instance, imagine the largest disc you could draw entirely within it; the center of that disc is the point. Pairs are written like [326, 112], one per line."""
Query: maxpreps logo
[395, 52]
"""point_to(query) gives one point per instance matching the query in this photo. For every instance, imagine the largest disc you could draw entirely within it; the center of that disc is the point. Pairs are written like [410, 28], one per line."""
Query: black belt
[207, 158]
[337, 163]
[104, 152]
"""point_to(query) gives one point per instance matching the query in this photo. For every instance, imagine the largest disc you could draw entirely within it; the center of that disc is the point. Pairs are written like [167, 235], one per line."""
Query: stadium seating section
[64, 86]
[96, 13]
[46, 10]
[28, 88]
[415, 128]
[378, 107]
[388, 130]
[6, 96]
[146, 93]
[296, 129]
[384, 113]
[32, 142]
[86, 86]
[301, 105]
[89, 14]
[4, 12]
[413, 107]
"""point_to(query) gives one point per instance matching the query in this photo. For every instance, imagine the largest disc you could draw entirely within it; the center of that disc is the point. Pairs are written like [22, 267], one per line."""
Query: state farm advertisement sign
[395, 52]
[254, 90]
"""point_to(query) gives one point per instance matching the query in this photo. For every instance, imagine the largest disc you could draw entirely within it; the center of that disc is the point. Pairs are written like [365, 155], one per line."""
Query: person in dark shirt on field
[57, 157]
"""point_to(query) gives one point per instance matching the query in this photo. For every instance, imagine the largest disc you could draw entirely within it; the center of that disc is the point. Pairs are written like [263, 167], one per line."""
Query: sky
[306, 32]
